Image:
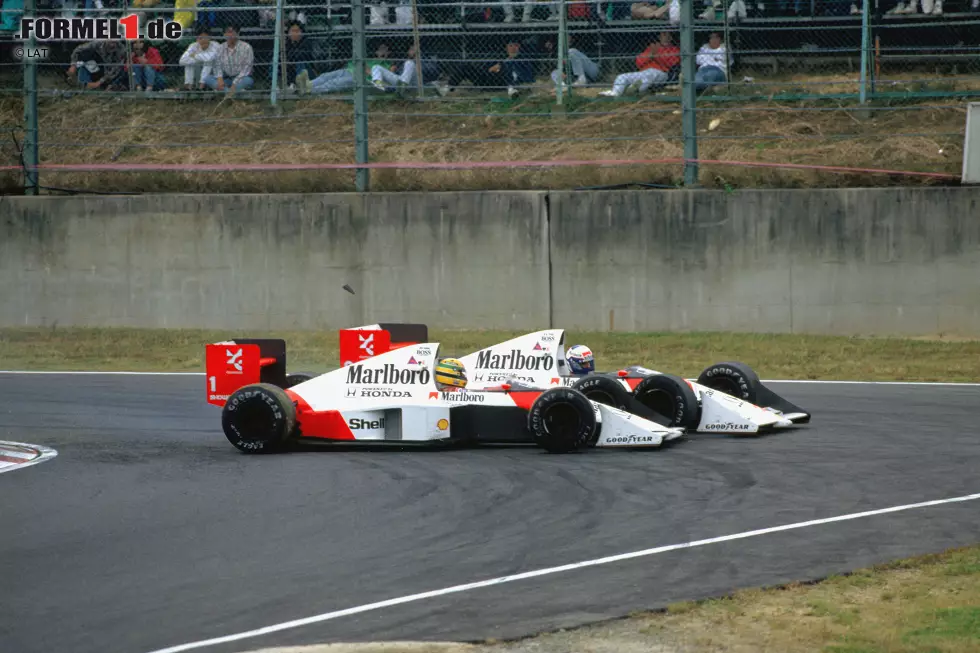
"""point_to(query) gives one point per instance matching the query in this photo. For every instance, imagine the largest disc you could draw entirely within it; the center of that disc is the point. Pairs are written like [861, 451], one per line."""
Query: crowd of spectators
[228, 67]
[223, 66]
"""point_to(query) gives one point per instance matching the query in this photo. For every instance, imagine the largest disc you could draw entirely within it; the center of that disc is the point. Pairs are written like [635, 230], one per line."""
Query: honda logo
[351, 392]
[234, 361]
[367, 344]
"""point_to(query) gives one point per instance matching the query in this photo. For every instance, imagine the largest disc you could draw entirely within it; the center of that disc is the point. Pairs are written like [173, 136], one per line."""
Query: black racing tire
[604, 390]
[732, 378]
[296, 378]
[259, 418]
[671, 397]
[562, 420]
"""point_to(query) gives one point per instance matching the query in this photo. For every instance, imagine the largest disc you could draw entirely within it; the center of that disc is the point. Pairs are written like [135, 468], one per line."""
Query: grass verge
[773, 356]
[924, 604]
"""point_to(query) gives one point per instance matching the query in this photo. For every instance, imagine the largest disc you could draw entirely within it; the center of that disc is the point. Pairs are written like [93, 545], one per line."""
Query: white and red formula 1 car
[726, 397]
[391, 398]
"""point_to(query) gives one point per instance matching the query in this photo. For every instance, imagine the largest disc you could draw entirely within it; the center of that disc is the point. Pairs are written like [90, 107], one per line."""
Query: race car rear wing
[235, 363]
[232, 364]
[359, 343]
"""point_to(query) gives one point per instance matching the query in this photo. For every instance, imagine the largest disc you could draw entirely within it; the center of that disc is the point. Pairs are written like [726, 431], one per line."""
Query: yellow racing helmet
[450, 373]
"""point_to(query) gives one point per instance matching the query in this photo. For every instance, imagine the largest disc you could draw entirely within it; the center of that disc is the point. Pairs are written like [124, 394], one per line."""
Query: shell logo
[442, 424]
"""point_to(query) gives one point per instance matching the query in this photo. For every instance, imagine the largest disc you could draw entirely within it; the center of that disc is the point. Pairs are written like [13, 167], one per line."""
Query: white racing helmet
[580, 360]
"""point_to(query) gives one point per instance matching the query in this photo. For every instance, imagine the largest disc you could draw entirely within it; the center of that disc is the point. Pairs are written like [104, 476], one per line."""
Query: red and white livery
[391, 398]
[726, 397]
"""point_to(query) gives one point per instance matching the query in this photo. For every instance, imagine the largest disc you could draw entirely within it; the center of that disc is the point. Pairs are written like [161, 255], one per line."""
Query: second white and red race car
[727, 397]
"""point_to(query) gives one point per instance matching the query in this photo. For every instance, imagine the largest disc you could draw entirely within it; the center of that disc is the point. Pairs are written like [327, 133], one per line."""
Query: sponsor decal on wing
[515, 359]
[358, 424]
[459, 397]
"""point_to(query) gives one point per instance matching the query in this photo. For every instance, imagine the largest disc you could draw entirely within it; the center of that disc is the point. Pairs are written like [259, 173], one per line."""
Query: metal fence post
[418, 48]
[689, 121]
[865, 46]
[276, 45]
[562, 48]
[362, 179]
[31, 132]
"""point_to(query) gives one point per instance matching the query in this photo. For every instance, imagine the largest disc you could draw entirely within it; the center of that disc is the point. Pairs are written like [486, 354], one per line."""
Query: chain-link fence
[474, 86]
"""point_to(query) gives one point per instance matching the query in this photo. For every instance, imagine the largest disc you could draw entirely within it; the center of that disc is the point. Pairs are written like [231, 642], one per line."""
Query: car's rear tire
[604, 390]
[296, 378]
[259, 418]
[732, 378]
[672, 398]
[562, 420]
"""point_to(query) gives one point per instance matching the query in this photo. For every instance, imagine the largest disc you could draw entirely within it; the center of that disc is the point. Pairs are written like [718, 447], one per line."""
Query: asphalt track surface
[148, 530]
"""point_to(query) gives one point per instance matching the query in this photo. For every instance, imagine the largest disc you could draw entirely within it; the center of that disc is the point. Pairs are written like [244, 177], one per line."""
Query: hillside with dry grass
[89, 129]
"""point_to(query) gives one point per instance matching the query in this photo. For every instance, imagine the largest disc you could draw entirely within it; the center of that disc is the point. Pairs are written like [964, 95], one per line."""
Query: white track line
[798, 381]
[327, 616]
[44, 454]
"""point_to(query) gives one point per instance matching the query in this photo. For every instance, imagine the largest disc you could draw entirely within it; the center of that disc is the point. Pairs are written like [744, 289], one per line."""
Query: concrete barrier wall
[881, 261]
[861, 261]
[262, 261]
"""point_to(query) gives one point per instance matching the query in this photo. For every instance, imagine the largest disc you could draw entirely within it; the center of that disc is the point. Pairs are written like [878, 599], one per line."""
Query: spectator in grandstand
[99, 64]
[147, 66]
[198, 59]
[185, 18]
[713, 61]
[405, 73]
[931, 7]
[342, 79]
[658, 64]
[584, 69]
[299, 56]
[512, 72]
[234, 60]
[529, 7]
[648, 11]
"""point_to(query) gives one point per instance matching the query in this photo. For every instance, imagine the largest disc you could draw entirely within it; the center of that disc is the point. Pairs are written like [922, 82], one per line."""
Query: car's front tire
[671, 398]
[732, 378]
[258, 418]
[562, 420]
